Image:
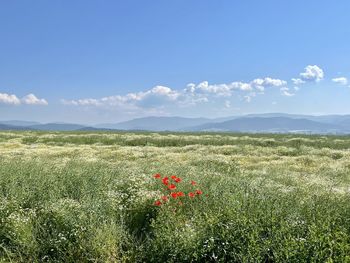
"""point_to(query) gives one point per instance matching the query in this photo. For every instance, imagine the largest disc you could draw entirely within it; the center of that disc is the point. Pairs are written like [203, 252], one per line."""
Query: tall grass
[88, 197]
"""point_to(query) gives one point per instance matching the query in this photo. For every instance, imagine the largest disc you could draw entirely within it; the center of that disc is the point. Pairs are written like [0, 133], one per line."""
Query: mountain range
[268, 122]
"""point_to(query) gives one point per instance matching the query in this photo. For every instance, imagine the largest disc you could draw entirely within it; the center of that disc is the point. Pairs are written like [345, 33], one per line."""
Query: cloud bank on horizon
[203, 92]
[157, 99]
[191, 95]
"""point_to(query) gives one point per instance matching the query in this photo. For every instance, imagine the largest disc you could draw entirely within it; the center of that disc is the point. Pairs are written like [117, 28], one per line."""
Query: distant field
[89, 197]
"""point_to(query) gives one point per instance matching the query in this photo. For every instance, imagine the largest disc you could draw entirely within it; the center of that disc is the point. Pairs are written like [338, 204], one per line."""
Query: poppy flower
[164, 198]
[193, 183]
[173, 177]
[157, 203]
[191, 195]
[199, 192]
[174, 195]
[180, 194]
[177, 180]
[172, 187]
[165, 180]
[157, 176]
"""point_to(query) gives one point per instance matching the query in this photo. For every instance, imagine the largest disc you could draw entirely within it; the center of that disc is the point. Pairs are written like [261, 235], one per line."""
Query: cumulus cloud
[29, 99]
[297, 81]
[9, 99]
[285, 92]
[340, 80]
[312, 73]
[153, 97]
[192, 94]
[269, 82]
[226, 89]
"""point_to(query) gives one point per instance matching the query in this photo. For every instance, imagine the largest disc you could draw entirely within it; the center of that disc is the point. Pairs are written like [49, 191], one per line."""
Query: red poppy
[164, 198]
[193, 183]
[172, 187]
[174, 195]
[156, 176]
[173, 177]
[191, 195]
[165, 180]
[157, 203]
[199, 192]
[177, 180]
[180, 194]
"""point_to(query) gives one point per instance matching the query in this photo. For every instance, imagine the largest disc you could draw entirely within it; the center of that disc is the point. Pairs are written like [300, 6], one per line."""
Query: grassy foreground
[89, 197]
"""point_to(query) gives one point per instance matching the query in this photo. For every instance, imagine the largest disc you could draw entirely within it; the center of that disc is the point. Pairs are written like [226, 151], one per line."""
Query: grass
[88, 197]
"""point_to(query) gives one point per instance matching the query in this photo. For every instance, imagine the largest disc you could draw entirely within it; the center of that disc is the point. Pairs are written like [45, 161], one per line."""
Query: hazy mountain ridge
[156, 123]
[271, 124]
[5, 127]
[57, 127]
[268, 122]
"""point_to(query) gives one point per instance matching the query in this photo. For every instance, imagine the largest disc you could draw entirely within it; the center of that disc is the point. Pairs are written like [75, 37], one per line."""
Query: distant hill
[266, 122]
[56, 127]
[271, 124]
[19, 123]
[10, 127]
[156, 123]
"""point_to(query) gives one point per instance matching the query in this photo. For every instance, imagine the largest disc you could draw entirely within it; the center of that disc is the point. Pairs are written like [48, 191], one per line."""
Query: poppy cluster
[171, 189]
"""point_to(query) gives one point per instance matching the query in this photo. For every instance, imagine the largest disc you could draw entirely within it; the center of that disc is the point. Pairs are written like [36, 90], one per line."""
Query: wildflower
[164, 198]
[157, 203]
[199, 192]
[177, 180]
[180, 194]
[191, 195]
[165, 180]
[172, 187]
[193, 183]
[174, 195]
[157, 176]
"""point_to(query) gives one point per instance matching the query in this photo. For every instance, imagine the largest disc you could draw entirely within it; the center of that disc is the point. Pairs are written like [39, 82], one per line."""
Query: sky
[92, 62]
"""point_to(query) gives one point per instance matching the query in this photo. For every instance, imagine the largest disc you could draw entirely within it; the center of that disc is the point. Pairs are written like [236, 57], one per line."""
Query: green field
[89, 197]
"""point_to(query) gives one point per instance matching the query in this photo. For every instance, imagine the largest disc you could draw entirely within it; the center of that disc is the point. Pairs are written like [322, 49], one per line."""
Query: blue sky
[108, 61]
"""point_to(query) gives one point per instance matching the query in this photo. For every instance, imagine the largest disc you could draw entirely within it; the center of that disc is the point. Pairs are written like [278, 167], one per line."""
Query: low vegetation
[93, 197]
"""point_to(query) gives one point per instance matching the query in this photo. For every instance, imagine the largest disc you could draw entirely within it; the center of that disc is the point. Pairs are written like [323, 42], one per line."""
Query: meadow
[90, 197]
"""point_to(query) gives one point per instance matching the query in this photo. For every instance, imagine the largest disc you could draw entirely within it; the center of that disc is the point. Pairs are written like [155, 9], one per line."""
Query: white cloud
[9, 99]
[162, 97]
[340, 80]
[269, 82]
[218, 89]
[285, 92]
[312, 73]
[153, 97]
[298, 81]
[226, 89]
[31, 99]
